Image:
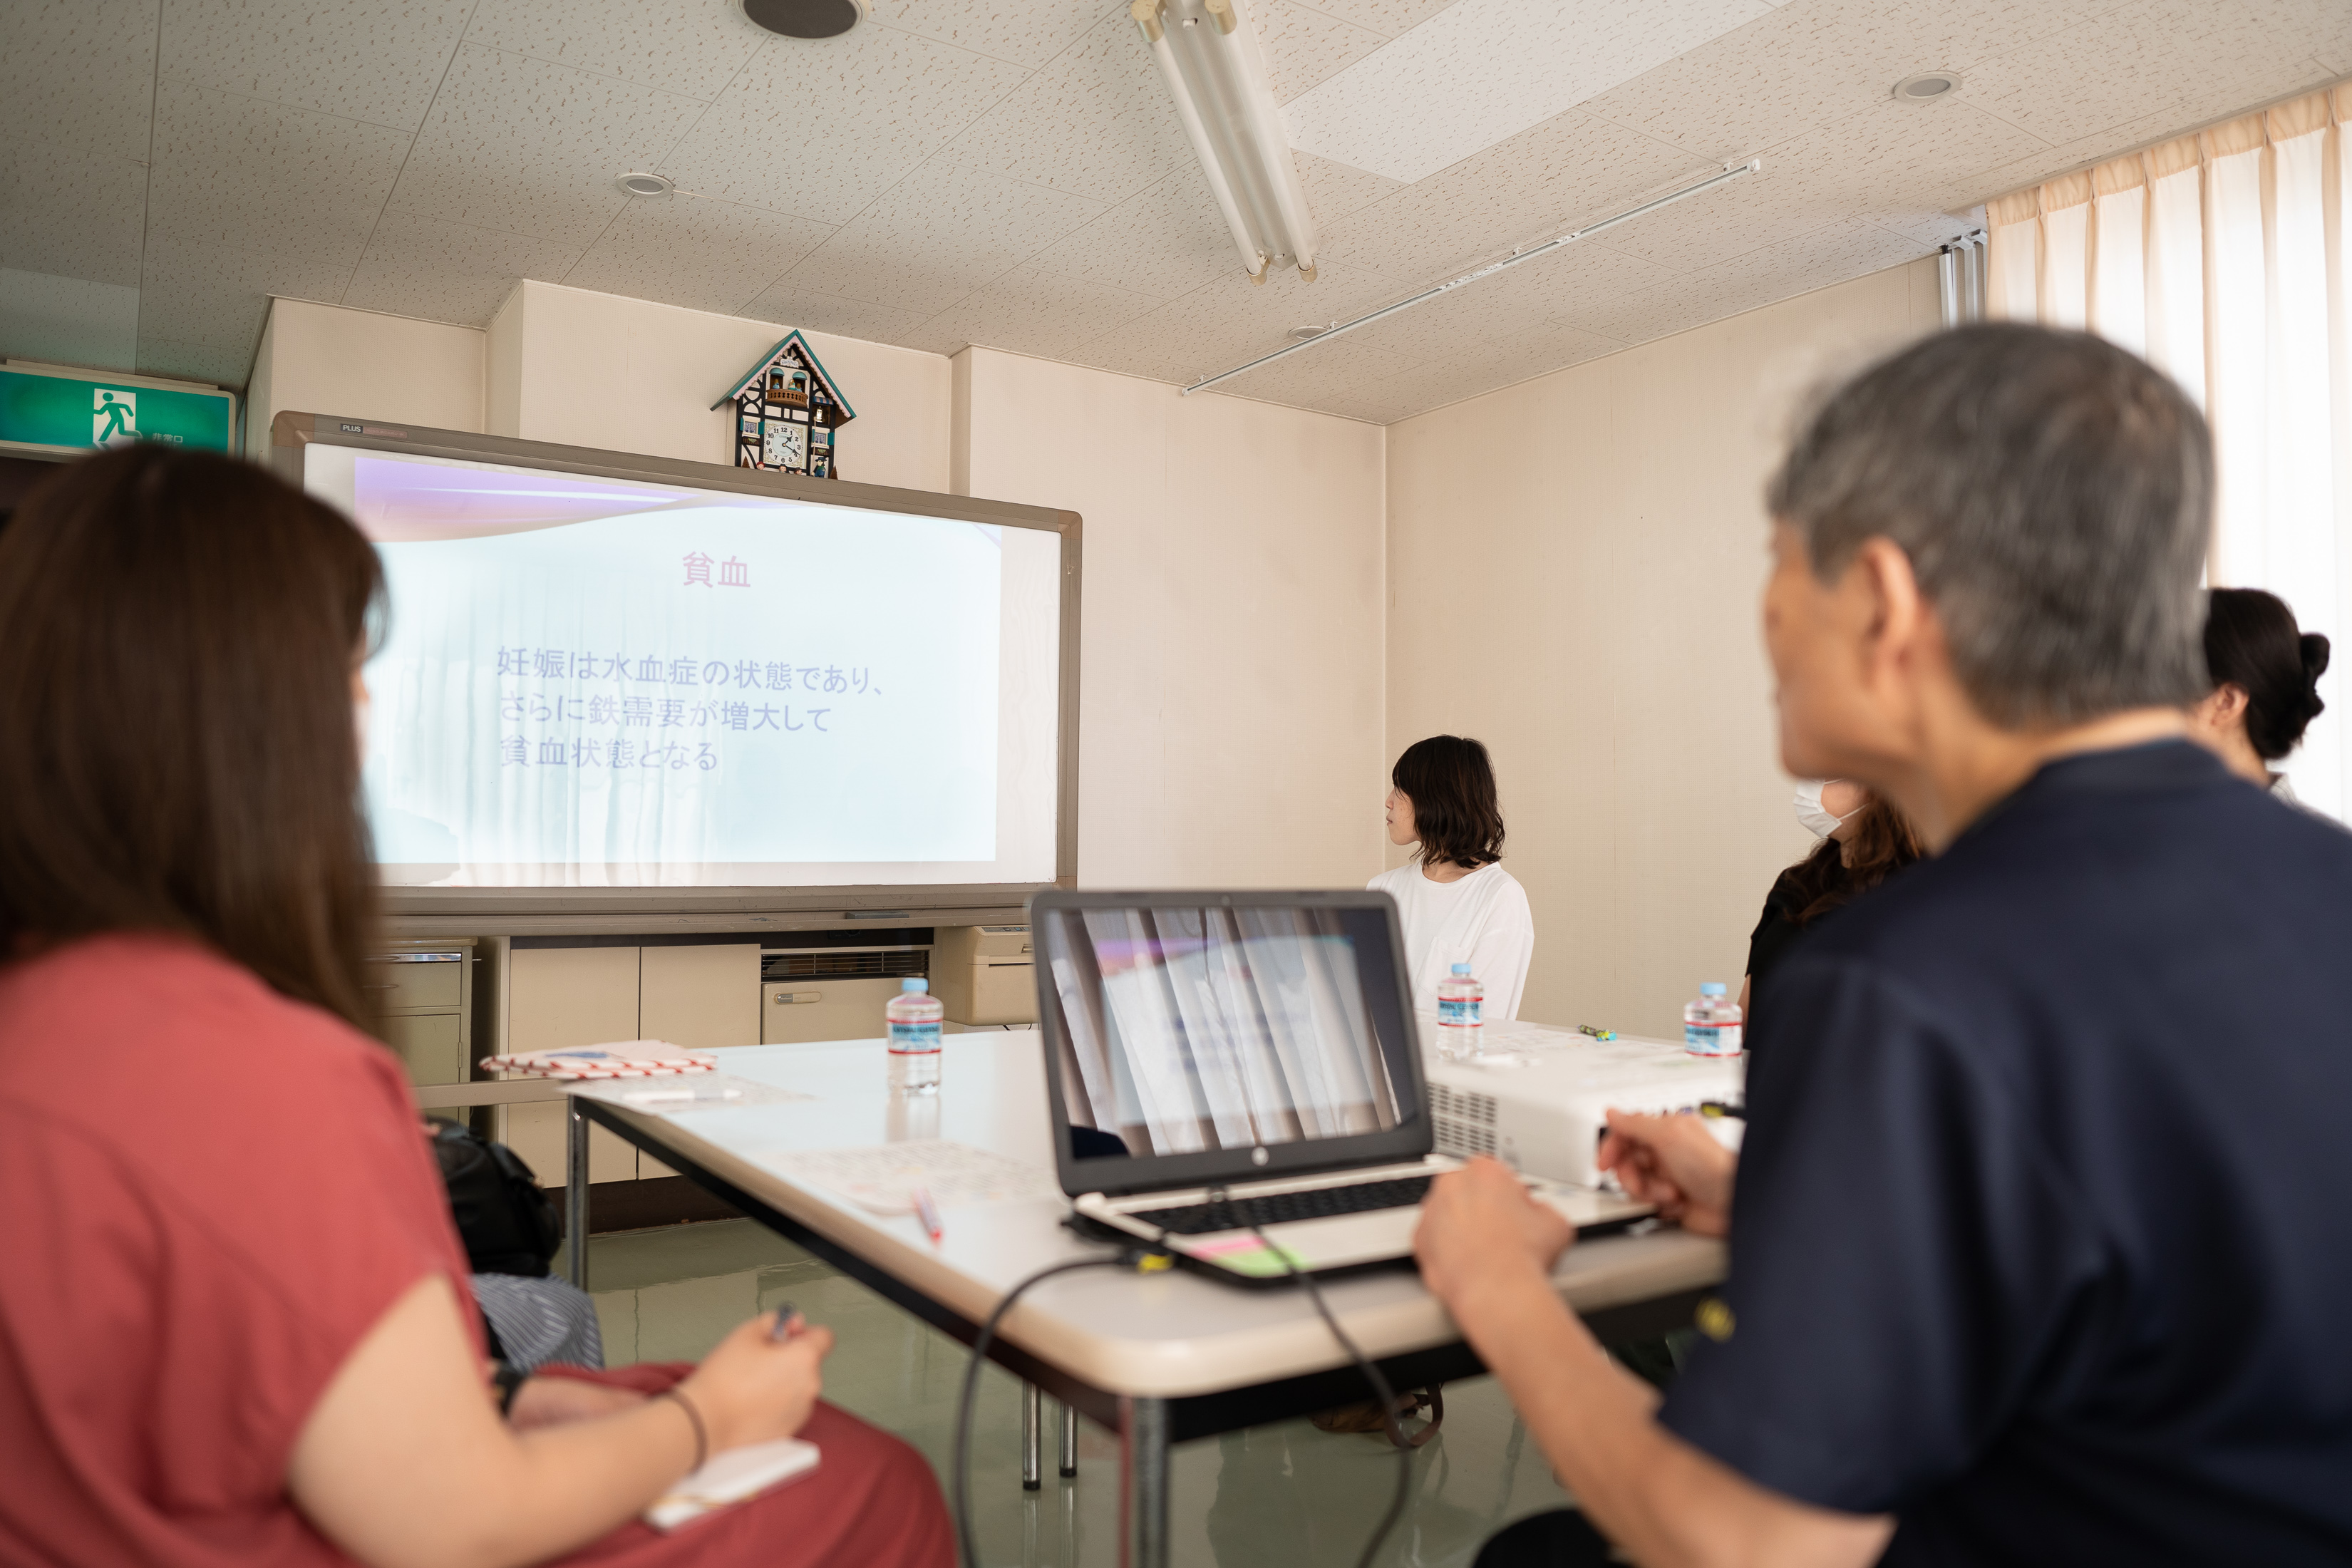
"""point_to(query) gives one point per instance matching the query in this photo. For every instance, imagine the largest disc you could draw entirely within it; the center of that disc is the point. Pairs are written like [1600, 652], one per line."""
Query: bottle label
[1713, 1039]
[914, 1039]
[1459, 1015]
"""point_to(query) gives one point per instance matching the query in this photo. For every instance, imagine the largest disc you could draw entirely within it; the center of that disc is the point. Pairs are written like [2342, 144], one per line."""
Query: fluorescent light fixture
[1218, 78]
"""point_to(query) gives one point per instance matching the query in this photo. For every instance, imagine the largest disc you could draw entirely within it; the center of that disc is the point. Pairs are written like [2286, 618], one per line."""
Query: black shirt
[1777, 929]
[2043, 1239]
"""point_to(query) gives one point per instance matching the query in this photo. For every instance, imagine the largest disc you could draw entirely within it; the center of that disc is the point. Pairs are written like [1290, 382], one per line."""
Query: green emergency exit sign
[56, 410]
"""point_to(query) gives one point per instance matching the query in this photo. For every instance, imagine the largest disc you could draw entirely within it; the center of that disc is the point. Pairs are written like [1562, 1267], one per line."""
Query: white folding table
[1158, 1358]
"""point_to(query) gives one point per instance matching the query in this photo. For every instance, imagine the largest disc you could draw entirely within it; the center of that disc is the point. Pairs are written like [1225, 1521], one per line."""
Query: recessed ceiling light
[644, 184]
[1927, 87]
[1312, 330]
[804, 19]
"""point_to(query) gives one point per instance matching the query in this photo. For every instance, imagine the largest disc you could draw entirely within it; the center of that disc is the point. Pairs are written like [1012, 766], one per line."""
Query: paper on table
[729, 1477]
[882, 1176]
[703, 1092]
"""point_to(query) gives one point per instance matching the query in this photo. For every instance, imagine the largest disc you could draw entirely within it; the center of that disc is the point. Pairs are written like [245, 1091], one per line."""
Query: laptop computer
[1218, 1060]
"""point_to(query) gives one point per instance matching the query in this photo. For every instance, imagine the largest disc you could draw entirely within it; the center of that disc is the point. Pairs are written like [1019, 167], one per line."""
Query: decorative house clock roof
[787, 408]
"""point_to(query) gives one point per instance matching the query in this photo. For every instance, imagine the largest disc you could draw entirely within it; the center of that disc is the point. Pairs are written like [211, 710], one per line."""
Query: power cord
[1127, 1257]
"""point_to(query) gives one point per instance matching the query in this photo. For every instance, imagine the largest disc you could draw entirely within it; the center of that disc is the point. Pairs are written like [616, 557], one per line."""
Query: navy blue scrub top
[2042, 1237]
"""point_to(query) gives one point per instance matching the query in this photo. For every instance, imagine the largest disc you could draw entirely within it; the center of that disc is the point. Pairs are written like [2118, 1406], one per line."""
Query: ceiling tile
[1165, 241]
[195, 295]
[1303, 46]
[1537, 352]
[694, 50]
[229, 367]
[72, 214]
[1386, 17]
[1402, 111]
[292, 191]
[1033, 312]
[1343, 369]
[1510, 306]
[1834, 253]
[707, 256]
[441, 271]
[821, 130]
[939, 235]
[1025, 33]
[1568, 170]
[68, 321]
[1232, 321]
[377, 60]
[1111, 354]
[533, 148]
[1817, 61]
[2193, 57]
[1097, 120]
[79, 74]
[1335, 190]
[816, 312]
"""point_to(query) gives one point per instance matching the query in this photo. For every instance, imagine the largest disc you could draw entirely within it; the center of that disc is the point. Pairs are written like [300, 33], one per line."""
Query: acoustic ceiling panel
[378, 60]
[81, 76]
[708, 256]
[694, 51]
[1303, 46]
[821, 313]
[1481, 71]
[1163, 241]
[72, 214]
[1033, 312]
[823, 132]
[1026, 34]
[444, 271]
[530, 147]
[1095, 121]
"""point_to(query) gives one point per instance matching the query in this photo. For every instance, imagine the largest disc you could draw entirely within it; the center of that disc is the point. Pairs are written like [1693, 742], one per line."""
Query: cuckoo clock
[787, 412]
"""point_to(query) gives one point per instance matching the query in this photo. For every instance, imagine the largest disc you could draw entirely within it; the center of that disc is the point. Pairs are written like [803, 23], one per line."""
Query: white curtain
[2224, 257]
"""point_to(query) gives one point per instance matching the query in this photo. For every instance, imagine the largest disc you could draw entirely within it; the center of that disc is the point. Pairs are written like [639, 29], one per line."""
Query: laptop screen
[1238, 1029]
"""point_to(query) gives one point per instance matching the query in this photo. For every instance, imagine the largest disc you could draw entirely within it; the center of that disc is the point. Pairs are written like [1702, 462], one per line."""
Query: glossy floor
[1285, 1496]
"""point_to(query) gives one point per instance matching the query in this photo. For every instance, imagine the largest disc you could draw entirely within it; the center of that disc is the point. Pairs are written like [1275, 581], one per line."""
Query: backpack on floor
[506, 1219]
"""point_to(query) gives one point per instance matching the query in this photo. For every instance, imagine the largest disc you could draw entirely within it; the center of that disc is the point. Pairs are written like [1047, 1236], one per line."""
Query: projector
[1539, 1099]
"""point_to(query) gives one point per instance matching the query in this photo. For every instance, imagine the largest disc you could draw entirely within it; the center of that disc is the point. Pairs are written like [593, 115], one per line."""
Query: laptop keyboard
[1317, 1202]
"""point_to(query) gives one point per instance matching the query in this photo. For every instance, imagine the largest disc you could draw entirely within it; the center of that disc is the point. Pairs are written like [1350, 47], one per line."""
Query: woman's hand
[755, 1388]
[1674, 1162]
[1479, 1226]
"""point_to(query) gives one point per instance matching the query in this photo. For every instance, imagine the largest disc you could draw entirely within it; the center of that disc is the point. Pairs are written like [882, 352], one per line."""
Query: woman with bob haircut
[235, 1323]
[1456, 902]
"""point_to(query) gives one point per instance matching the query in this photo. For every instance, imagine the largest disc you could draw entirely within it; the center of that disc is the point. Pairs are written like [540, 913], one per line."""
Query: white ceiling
[1010, 172]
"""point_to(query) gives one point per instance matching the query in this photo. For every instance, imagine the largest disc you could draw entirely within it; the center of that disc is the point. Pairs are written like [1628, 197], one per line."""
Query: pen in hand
[787, 1325]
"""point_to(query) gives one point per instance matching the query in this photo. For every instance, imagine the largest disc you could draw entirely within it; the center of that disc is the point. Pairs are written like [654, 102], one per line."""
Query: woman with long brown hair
[235, 1323]
[1863, 841]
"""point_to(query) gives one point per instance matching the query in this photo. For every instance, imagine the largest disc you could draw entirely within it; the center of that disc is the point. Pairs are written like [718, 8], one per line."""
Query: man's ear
[1898, 620]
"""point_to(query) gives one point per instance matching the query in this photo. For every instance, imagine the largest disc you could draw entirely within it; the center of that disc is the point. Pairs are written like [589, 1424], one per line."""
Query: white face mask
[1818, 819]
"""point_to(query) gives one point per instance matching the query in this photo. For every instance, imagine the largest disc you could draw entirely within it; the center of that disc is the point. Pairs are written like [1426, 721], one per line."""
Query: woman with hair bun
[1456, 901]
[2265, 693]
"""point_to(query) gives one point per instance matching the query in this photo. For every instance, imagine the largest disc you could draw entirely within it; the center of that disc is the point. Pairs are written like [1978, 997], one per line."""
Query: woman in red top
[234, 1320]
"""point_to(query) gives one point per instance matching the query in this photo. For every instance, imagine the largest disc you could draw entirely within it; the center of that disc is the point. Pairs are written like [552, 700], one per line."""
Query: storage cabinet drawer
[430, 1045]
[795, 1012]
[411, 980]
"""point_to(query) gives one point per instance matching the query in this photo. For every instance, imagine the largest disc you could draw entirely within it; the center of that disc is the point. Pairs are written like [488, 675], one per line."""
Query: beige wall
[1231, 694]
[325, 359]
[1574, 566]
[629, 375]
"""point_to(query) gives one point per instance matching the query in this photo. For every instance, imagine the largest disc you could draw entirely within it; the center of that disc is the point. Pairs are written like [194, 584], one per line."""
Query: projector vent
[844, 965]
[1464, 1121]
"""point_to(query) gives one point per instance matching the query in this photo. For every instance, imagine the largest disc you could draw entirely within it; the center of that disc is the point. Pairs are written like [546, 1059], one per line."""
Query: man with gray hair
[2039, 1253]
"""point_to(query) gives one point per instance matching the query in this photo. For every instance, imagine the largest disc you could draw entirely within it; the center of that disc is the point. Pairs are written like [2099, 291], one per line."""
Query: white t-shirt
[1482, 920]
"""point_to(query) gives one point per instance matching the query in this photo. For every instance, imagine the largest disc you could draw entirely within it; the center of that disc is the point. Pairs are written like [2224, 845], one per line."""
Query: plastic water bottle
[1461, 1008]
[914, 1015]
[1711, 1025]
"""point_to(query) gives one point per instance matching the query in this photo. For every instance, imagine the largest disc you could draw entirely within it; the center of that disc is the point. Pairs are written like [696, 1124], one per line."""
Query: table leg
[1143, 1435]
[1069, 1441]
[1032, 1439]
[575, 1193]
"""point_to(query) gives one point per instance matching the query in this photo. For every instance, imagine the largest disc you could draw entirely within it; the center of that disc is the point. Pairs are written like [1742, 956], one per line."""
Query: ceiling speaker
[804, 18]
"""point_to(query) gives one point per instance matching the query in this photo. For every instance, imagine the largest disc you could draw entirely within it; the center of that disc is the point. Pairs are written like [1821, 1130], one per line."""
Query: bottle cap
[917, 983]
[1461, 968]
[1712, 988]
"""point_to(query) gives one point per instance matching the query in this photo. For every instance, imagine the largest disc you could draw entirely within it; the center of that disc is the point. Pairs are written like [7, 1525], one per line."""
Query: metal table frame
[1147, 1427]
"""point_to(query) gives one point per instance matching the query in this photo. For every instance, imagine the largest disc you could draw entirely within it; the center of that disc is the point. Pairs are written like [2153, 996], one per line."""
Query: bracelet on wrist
[701, 1433]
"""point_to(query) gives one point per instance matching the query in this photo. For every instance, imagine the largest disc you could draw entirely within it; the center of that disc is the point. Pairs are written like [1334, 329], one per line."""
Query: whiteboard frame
[557, 910]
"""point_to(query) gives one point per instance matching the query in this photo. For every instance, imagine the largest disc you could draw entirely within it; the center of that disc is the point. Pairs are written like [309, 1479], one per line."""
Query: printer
[1538, 1098]
[985, 975]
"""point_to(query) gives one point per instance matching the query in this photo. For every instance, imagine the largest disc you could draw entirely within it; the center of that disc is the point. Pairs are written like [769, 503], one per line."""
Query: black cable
[964, 1538]
[1380, 1390]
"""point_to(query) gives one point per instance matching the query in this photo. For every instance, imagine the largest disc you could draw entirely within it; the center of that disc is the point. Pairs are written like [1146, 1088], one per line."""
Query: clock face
[787, 445]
